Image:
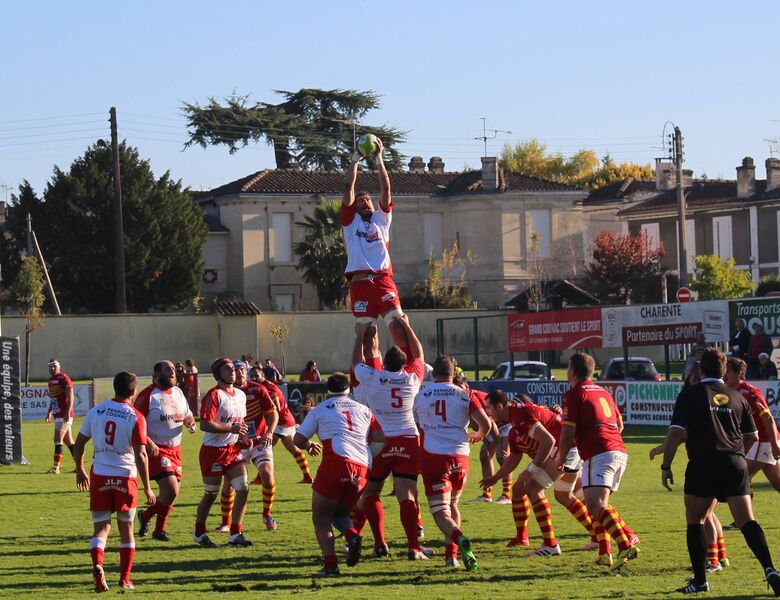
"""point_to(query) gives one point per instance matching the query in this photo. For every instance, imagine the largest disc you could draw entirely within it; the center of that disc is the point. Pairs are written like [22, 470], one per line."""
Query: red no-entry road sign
[683, 295]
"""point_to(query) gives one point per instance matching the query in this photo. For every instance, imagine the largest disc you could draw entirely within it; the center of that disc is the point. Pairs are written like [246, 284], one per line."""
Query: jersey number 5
[440, 408]
[397, 400]
[110, 431]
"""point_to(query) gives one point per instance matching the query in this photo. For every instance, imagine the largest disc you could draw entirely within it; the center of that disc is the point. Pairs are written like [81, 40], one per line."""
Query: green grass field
[46, 529]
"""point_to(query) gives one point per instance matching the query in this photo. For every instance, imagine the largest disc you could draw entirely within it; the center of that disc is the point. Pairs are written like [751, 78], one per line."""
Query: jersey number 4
[440, 408]
[110, 431]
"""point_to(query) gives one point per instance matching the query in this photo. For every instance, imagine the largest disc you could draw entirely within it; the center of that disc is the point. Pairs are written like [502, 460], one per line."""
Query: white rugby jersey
[115, 427]
[164, 411]
[225, 408]
[390, 395]
[442, 410]
[342, 424]
[367, 242]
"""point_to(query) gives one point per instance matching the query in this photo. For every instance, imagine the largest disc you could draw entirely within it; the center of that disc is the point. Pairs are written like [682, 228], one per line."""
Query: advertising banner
[35, 401]
[10, 375]
[761, 311]
[555, 330]
[545, 393]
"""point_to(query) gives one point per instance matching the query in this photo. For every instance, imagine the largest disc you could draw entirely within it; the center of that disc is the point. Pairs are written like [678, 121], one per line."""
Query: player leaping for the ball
[372, 290]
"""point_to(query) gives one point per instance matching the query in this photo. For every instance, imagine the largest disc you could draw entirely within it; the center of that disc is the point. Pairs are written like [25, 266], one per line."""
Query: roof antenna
[484, 137]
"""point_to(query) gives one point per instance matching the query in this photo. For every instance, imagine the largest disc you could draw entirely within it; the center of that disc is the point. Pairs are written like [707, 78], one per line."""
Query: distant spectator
[181, 372]
[310, 373]
[766, 368]
[248, 359]
[191, 387]
[759, 343]
[739, 344]
[272, 374]
[309, 401]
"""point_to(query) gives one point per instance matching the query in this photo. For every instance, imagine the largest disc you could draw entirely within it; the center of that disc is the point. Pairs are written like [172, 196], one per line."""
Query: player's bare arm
[142, 464]
[483, 422]
[750, 439]
[304, 443]
[769, 422]
[415, 346]
[349, 185]
[189, 423]
[565, 442]
[546, 444]
[271, 420]
[358, 356]
[384, 179]
[82, 479]
[510, 464]
[376, 441]
[214, 427]
[70, 402]
[674, 437]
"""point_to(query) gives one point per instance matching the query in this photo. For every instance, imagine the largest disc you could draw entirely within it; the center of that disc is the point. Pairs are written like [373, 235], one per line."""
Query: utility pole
[681, 246]
[119, 242]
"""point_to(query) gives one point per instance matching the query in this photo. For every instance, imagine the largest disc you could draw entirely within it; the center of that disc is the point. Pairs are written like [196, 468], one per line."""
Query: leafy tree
[13, 244]
[164, 234]
[280, 331]
[768, 283]
[322, 254]
[312, 128]
[718, 279]
[28, 288]
[582, 169]
[620, 263]
[445, 284]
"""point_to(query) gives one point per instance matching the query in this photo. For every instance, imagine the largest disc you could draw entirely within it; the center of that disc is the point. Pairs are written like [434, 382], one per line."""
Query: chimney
[489, 173]
[746, 178]
[772, 174]
[665, 177]
[436, 165]
[417, 165]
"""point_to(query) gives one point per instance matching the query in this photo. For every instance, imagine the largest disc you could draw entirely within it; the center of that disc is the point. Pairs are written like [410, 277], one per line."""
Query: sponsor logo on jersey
[389, 296]
[360, 306]
[369, 236]
[720, 399]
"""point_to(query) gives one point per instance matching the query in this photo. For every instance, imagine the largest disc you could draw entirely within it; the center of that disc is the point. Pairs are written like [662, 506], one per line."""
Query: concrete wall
[102, 345]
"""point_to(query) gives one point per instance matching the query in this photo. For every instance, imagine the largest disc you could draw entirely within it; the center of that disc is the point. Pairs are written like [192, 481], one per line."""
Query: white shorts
[761, 452]
[63, 424]
[604, 470]
[503, 431]
[285, 431]
[258, 455]
[573, 462]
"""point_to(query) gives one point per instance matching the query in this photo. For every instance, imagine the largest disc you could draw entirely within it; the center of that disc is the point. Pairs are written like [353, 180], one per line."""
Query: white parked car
[524, 369]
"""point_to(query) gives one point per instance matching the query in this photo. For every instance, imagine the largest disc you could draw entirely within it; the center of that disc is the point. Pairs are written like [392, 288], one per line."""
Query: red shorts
[167, 462]
[374, 296]
[442, 473]
[215, 461]
[340, 480]
[400, 456]
[111, 493]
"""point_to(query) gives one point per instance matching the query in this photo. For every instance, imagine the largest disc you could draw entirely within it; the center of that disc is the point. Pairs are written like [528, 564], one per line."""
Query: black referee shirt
[715, 417]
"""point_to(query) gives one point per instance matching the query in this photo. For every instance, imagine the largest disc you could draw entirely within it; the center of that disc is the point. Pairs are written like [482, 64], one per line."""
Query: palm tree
[322, 254]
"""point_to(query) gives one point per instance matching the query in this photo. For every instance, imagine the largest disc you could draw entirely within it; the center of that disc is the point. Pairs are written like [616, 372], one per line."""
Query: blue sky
[600, 75]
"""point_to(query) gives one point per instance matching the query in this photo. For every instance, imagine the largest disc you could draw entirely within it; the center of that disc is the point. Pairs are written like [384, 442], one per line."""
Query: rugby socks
[235, 528]
[712, 554]
[269, 492]
[419, 516]
[303, 464]
[455, 536]
[97, 547]
[200, 529]
[602, 537]
[451, 551]
[375, 513]
[756, 541]
[722, 548]
[610, 520]
[126, 557]
[543, 515]
[163, 512]
[626, 529]
[578, 510]
[488, 493]
[358, 520]
[409, 522]
[507, 492]
[697, 550]
[57, 455]
[226, 502]
[331, 561]
[521, 510]
[150, 511]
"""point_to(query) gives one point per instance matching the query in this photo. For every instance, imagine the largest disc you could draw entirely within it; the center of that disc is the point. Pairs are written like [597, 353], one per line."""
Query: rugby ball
[367, 145]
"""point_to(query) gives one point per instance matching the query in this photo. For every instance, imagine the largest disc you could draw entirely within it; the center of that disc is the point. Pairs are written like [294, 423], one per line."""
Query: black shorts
[719, 476]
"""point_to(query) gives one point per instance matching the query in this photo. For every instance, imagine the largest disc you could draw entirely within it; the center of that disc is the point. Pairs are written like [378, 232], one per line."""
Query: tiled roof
[214, 225]
[618, 190]
[237, 308]
[703, 194]
[291, 181]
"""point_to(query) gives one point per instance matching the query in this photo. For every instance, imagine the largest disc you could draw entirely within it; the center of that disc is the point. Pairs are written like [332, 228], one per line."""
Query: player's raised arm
[349, 184]
[358, 354]
[414, 344]
[385, 198]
